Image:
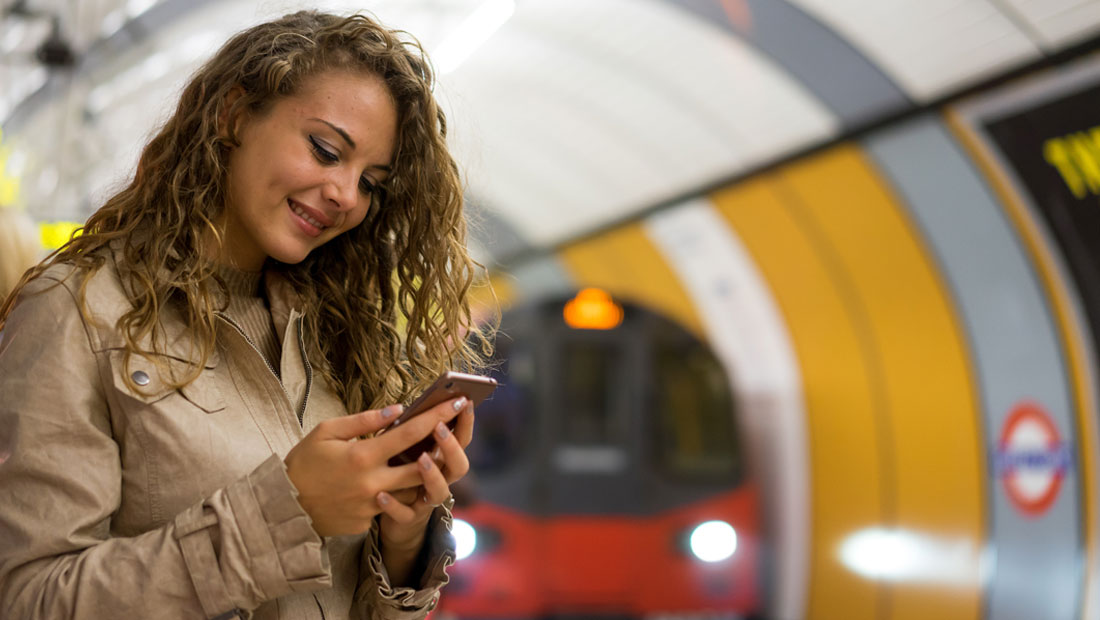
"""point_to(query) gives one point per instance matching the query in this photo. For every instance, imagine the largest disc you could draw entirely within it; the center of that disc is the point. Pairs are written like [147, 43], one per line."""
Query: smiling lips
[315, 220]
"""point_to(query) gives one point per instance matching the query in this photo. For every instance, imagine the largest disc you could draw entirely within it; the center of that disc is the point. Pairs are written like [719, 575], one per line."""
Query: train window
[587, 403]
[502, 418]
[694, 412]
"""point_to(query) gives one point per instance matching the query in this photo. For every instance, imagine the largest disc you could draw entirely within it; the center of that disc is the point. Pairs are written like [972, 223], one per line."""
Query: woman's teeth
[302, 214]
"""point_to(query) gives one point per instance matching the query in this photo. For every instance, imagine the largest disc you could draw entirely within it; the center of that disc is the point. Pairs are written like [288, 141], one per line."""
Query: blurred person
[19, 251]
[20, 248]
[290, 249]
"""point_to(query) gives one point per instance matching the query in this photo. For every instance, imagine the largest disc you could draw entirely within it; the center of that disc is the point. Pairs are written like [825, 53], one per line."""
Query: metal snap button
[140, 377]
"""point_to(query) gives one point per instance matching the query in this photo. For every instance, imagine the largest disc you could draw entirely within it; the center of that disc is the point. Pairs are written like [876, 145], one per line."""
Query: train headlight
[713, 541]
[465, 539]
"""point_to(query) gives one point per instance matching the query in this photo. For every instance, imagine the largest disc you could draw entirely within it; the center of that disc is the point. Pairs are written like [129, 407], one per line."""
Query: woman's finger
[394, 509]
[463, 432]
[436, 490]
[395, 440]
[357, 424]
[456, 464]
[408, 496]
[464, 428]
[385, 478]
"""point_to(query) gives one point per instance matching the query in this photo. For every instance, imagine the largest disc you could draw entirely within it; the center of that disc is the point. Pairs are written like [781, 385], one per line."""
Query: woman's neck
[239, 282]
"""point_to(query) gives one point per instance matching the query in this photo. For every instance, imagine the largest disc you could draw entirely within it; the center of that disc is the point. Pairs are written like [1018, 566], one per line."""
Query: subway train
[906, 323]
[609, 473]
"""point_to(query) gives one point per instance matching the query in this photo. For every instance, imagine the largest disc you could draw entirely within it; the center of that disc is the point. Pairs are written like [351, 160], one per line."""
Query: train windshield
[694, 412]
[588, 378]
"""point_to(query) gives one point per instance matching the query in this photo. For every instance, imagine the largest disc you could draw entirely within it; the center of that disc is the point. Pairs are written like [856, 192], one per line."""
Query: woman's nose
[341, 190]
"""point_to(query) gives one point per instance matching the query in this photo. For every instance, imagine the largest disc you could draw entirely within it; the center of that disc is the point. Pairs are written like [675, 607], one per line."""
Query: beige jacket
[170, 503]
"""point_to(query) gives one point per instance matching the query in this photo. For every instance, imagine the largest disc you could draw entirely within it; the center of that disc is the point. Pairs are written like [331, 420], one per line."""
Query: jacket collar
[284, 302]
[108, 303]
[282, 299]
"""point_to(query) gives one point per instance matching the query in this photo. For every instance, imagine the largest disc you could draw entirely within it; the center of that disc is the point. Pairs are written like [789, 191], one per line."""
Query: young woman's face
[306, 169]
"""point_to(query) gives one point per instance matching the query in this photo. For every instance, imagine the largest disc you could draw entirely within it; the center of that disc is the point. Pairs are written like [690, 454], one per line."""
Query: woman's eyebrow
[347, 138]
[343, 134]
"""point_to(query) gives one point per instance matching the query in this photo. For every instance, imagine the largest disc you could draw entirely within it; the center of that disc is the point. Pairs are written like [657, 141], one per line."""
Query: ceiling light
[137, 7]
[474, 31]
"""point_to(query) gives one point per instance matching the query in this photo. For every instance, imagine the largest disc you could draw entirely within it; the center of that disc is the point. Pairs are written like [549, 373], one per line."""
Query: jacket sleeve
[246, 543]
[377, 599]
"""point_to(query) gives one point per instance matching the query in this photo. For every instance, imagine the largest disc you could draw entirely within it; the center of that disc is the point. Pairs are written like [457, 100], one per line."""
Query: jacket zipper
[267, 362]
[309, 372]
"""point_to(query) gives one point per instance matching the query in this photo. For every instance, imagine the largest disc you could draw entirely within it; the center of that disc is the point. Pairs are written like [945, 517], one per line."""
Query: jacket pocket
[153, 376]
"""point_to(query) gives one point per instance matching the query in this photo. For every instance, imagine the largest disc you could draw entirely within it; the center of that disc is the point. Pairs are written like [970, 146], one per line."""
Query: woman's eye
[328, 157]
[321, 152]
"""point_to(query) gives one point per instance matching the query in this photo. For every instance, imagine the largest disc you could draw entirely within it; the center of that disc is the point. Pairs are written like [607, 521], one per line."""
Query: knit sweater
[249, 309]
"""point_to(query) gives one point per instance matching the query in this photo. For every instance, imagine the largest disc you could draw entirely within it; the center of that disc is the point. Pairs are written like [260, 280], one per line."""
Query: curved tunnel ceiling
[570, 116]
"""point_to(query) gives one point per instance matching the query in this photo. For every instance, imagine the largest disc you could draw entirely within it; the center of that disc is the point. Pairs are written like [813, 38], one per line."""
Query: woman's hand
[405, 513]
[414, 506]
[340, 477]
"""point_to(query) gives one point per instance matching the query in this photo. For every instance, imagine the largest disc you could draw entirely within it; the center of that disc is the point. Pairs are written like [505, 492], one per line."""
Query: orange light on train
[592, 309]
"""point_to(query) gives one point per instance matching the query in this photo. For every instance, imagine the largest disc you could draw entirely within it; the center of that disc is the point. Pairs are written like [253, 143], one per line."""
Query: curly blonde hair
[386, 304]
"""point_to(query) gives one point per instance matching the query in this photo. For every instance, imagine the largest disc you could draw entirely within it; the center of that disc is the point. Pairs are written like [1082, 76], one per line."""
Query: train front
[609, 478]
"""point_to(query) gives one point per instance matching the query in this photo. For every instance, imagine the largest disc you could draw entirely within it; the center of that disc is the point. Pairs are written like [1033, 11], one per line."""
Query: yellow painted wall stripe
[844, 465]
[930, 414]
[1069, 327]
[625, 263]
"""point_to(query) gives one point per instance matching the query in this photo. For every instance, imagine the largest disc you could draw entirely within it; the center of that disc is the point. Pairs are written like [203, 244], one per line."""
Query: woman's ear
[228, 122]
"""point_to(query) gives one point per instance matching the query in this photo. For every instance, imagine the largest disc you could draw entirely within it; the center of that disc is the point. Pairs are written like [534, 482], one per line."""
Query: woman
[178, 378]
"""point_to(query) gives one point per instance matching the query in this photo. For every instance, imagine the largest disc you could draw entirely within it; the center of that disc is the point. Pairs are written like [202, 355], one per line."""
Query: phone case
[449, 385]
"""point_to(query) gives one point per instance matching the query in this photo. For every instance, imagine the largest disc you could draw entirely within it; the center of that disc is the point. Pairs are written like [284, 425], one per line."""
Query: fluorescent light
[23, 83]
[112, 23]
[471, 34]
[899, 555]
[17, 162]
[14, 34]
[137, 7]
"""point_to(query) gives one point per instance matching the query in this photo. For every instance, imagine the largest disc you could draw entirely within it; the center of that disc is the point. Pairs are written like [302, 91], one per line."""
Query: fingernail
[437, 454]
[460, 403]
[383, 499]
[390, 411]
[441, 430]
[425, 461]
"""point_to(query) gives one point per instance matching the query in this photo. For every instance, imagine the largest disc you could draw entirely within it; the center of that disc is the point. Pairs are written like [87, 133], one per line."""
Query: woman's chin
[290, 255]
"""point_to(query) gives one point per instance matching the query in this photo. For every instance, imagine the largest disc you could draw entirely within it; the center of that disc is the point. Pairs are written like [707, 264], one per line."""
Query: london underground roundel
[1031, 459]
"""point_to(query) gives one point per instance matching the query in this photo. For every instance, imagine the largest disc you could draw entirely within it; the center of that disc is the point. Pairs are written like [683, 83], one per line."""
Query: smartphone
[449, 385]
